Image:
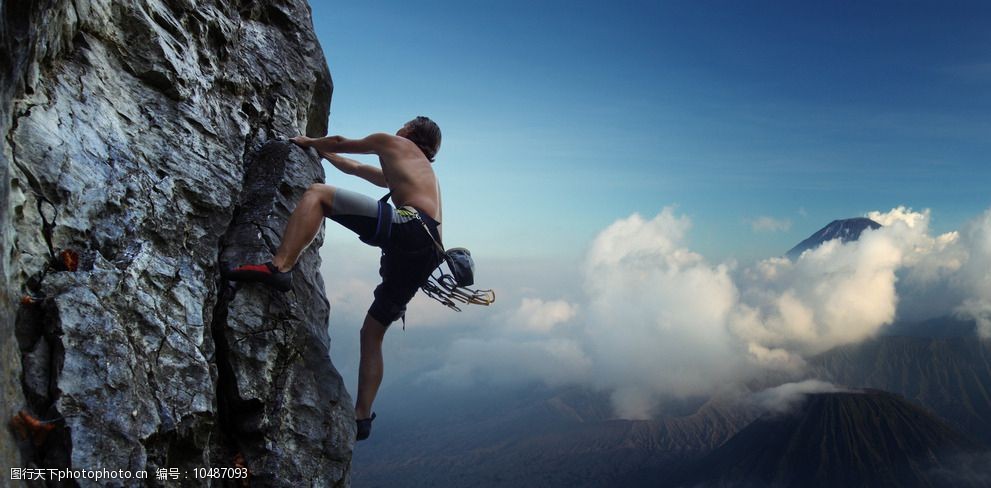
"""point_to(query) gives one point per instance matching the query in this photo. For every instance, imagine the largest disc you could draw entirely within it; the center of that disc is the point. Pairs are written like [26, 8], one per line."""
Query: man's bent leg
[370, 367]
[304, 223]
[354, 211]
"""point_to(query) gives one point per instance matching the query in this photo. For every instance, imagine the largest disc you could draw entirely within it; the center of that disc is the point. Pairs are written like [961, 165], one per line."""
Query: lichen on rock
[144, 136]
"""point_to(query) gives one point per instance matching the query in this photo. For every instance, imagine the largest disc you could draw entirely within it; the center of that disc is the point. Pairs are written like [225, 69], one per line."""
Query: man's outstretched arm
[349, 166]
[373, 144]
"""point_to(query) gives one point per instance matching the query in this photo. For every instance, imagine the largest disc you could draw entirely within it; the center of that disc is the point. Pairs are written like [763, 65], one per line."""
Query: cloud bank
[658, 320]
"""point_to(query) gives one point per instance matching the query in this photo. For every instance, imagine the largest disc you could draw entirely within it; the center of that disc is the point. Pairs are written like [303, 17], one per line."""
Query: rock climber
[409, 252]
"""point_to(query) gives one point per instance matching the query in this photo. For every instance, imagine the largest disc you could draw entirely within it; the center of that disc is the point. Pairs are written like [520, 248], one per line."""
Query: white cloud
[783, 398]
[949, 273]
[769, 224]
[836, 294]
[902, 215]
[656, 314]
[537, 315]
[973, 278]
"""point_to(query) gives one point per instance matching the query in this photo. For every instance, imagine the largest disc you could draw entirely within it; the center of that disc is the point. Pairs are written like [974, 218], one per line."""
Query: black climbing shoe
[365, 427]
[262, 273]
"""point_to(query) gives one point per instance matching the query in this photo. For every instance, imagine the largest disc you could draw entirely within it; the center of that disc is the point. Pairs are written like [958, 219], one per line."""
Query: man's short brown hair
[426, 135]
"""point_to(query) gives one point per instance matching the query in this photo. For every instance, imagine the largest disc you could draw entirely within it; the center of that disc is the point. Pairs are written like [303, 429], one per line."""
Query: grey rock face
[144, 134]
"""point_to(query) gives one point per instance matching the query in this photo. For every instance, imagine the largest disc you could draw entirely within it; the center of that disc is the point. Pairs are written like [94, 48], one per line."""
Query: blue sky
[561, 117]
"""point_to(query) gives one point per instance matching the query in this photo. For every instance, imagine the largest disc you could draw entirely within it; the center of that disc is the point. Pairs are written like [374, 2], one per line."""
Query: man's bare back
[411, 177]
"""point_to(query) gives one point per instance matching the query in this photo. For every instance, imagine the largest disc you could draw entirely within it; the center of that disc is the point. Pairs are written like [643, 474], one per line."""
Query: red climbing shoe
[265, 273]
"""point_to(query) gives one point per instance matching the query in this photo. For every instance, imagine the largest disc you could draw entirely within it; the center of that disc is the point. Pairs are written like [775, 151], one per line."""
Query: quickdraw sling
[448, 289]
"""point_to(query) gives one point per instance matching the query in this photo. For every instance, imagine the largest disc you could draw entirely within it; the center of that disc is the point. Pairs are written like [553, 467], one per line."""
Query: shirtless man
[408, 257]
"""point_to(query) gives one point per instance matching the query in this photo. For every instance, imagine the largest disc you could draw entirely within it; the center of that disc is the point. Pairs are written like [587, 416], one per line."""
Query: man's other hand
[329, 156]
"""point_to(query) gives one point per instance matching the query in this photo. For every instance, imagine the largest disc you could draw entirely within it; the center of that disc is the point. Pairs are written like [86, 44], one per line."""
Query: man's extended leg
[370, 367]
[355, 211]
[304, 223]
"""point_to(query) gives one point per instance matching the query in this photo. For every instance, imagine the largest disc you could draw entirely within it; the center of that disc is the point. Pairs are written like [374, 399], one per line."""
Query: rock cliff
[140, 154]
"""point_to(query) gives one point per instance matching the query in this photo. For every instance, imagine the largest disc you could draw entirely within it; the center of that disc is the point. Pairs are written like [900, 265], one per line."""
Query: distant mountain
[939, 327]
[858, 439]
[940, 364]
[845, 230]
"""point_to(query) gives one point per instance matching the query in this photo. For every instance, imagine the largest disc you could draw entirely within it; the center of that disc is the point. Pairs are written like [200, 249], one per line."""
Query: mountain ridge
[858, 438]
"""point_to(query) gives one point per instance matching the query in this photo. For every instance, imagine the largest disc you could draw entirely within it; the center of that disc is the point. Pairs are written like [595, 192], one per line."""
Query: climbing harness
[447, 288]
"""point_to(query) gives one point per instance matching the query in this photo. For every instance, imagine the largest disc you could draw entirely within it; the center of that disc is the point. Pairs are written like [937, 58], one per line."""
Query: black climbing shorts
[408, 257]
